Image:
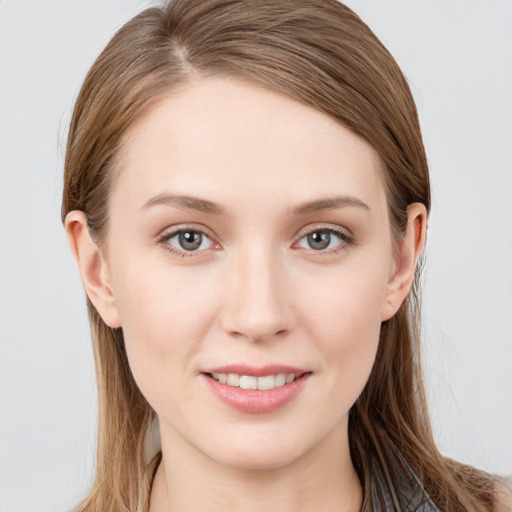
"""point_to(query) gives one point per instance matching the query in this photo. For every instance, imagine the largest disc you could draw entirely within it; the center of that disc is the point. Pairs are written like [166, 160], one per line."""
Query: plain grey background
[458, 58]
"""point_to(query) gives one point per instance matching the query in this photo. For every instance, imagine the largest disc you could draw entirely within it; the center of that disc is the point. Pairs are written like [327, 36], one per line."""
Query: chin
[259, 452]
[258, 460]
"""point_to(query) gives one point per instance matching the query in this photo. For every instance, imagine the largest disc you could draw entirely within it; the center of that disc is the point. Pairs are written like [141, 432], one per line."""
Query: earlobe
[409, 251]
[92, 267]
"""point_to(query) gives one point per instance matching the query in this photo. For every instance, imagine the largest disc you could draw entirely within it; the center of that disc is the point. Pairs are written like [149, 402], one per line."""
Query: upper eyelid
[170, 232]
[323, 227]
[302, 232]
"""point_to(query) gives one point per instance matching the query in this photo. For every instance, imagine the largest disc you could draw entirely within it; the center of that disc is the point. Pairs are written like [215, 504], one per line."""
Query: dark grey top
[410, 496]
[413, 498]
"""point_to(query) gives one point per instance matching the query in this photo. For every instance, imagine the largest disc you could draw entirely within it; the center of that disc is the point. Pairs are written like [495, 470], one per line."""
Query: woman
[246, 194]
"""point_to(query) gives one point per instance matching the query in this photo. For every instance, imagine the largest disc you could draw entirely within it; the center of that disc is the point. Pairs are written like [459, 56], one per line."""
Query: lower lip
[254, 400]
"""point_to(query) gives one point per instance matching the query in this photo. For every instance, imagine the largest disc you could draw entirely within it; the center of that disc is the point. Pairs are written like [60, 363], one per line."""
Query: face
[248, 236]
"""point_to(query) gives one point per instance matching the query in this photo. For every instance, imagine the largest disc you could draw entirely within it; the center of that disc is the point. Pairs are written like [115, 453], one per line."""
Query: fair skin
[256, 290]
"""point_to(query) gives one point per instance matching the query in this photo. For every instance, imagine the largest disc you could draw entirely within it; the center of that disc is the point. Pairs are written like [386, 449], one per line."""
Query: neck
[321, 479]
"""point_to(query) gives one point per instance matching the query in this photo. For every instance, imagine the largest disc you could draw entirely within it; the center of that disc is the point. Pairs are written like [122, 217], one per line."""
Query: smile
[263, 383]
[252, 389]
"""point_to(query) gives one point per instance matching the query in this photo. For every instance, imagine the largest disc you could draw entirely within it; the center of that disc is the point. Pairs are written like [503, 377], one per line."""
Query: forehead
[226, 138]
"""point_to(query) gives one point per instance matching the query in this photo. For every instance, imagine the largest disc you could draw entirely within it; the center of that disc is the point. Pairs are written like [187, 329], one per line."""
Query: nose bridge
[257, 306]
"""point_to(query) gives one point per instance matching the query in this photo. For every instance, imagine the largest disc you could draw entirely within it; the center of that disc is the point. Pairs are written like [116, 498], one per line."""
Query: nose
[257, 303]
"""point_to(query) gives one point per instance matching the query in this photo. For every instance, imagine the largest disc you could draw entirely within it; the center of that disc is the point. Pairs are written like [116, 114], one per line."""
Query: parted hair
[321, 54]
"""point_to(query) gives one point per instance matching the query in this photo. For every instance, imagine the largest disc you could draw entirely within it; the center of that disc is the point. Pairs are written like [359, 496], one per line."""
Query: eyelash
[344, 237]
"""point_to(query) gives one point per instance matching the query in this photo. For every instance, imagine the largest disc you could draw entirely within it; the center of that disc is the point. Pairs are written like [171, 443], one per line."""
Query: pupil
[190, 240]
[319, 240]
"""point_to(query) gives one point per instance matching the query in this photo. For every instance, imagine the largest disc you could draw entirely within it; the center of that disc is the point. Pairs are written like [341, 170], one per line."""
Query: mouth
[256, 390]
[262, 383]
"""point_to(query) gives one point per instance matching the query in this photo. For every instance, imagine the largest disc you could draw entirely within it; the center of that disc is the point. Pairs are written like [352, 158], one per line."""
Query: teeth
[251, 382]
[247, 382]
[267, 382]
[280, 380]
[233, 380]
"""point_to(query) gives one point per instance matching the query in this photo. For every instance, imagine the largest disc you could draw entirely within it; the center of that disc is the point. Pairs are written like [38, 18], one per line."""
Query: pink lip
[253, 400]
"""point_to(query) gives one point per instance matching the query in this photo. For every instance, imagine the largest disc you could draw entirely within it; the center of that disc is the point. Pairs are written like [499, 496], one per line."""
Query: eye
[186, 241]
[327, 240]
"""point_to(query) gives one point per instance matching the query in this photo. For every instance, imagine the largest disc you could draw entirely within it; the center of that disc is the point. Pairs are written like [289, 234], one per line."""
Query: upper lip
[257, 371]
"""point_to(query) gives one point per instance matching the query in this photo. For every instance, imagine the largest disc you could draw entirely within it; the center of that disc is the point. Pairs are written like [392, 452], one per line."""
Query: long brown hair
[321, 54]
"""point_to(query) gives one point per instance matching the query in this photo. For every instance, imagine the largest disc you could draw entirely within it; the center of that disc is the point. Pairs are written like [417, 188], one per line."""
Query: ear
[92, 267]
[406, 258]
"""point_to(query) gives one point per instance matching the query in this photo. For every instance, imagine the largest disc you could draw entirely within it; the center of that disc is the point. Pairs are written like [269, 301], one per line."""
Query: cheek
[164, 318]
[346, 320]
[348, 304]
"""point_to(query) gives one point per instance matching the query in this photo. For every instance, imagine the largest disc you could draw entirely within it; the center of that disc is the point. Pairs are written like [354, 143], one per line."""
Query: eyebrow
[205, 206]
[328, 204]
[184, 201]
